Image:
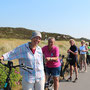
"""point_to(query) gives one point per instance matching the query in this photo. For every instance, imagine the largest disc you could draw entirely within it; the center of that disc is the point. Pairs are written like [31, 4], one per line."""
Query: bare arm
[86, 49]
[51, 58]
[75, 53]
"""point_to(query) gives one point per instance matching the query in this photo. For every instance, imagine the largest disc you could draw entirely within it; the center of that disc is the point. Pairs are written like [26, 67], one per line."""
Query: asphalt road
[83, 82]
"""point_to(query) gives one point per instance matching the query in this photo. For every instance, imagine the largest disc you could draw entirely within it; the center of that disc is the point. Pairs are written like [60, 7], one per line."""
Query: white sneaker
[80, 70]
[85, 71]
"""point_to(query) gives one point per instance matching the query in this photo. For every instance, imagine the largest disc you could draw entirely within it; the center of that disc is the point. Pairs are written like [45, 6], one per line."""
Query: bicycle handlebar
[10, 65]
[23, 66]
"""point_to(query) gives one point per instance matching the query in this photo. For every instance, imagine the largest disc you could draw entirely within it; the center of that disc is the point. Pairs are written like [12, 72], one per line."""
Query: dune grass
[9, 44]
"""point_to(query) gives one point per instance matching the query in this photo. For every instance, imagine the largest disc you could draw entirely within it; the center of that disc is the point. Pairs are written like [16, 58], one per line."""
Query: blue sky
[71, 17]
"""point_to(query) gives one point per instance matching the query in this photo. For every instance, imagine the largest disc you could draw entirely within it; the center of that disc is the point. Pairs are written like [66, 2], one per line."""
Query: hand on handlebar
[10, 65]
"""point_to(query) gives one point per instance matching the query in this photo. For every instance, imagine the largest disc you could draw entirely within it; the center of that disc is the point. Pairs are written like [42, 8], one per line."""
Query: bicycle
[49, 83]
[64, 68]
[10, 66]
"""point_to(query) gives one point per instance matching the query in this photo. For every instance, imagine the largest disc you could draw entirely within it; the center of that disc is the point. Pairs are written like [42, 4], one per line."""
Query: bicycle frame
[7, 83]
[49, 83]
[10, 66]
[64, 68]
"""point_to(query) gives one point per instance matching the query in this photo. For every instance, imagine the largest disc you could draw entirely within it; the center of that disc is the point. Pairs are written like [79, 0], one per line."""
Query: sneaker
[69, 79]
[80, 71]
[85, 71]
[75, 80]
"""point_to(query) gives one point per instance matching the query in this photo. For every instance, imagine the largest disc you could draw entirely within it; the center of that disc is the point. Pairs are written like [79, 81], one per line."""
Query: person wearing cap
[31, 55]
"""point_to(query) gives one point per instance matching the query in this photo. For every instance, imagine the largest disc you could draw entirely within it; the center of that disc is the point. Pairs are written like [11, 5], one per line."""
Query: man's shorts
[53, 71]
[73, 61]
[82, 57]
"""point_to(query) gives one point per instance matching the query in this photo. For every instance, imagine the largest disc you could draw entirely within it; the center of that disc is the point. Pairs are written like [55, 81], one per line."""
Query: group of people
[33, 55]
[81, 61]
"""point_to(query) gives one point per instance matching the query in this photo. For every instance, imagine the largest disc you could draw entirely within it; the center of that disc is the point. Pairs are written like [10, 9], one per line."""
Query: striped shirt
[25, 56]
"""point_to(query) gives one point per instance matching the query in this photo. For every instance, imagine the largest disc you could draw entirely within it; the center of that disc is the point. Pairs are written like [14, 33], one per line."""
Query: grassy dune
[9, 44]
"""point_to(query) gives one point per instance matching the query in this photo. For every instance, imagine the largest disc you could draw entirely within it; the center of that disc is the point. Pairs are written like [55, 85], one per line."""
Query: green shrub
[15, 77]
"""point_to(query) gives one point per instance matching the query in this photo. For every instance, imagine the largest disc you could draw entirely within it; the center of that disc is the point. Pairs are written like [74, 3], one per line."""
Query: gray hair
[50, 38]
[83, 41]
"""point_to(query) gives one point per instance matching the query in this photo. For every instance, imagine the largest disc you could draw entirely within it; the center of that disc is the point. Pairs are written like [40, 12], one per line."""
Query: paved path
[83, 82]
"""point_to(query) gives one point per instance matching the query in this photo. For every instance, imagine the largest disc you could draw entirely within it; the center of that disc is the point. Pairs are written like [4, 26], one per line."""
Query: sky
[70, 17]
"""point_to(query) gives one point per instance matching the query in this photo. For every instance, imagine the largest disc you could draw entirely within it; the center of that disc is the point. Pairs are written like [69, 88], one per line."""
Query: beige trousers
[33, 86]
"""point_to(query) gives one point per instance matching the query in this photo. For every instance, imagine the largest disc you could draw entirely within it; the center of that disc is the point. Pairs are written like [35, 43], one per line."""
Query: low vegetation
[23, 33]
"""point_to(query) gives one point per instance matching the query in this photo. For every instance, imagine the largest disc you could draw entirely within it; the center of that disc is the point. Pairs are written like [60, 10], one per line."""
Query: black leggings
[88, 59]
